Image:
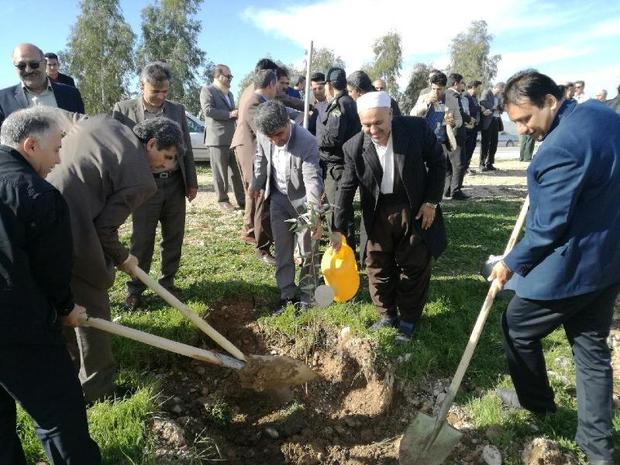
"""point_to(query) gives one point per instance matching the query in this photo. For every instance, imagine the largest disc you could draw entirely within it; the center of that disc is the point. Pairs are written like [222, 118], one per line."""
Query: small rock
[169, 431]
[345, 334]
[176, 408]
[491, 455]
[541, 451]
[200, 370]
[272, 432]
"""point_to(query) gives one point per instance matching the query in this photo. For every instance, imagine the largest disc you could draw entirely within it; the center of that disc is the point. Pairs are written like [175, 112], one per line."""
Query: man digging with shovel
[568, 261]
[104, 174]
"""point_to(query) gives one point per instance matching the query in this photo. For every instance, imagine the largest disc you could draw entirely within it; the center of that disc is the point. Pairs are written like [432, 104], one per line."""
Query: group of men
[139, 162]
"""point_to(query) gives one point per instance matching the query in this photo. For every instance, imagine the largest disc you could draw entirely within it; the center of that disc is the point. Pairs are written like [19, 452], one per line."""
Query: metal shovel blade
[415, 448]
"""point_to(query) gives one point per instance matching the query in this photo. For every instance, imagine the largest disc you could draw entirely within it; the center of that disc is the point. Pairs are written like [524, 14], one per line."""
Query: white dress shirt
[280, 159]
[386, 159]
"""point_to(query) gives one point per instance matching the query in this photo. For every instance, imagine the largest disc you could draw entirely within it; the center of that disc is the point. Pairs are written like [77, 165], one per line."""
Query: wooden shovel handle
[162, 343]
[188, 313]
[477, 331]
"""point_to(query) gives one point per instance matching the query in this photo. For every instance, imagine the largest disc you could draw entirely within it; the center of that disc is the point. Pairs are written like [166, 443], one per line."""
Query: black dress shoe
[491, 168]
[385, 322]
[132, 302]
[267, 258]
[484, 169]
[509, 398]
[459, 195]
[283, 304]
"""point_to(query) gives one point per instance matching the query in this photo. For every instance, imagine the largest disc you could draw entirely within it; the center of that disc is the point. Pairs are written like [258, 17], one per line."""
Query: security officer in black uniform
[334, 127]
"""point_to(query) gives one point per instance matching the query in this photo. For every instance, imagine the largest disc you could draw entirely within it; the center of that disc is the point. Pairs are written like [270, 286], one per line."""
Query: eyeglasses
[32, 64]
[228, 76]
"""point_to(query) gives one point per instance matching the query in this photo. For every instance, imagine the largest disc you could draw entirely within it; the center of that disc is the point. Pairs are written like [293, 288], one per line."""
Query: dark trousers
[470, 146]
[167, 207]
[455, 170]
[488, 144]
[256, 223]
[331, 176]
[91, 349]
[398, 263]
[586, 320]
[224, 168]
[42, 379]
[285, 243]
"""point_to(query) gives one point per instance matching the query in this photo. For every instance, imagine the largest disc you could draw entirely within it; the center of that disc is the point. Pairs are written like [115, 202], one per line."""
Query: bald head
[29, 63]
[379, 84]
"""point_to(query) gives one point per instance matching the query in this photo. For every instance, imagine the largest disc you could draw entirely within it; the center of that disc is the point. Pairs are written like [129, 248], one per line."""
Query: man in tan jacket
[256, 228]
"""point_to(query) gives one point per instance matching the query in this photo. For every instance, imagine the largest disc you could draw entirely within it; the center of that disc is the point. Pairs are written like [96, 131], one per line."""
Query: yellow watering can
[340, 271]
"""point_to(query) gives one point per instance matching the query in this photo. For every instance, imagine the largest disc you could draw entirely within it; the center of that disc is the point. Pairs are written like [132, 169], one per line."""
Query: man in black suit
[400, 170]
[51, 69]
[35, 88]
[491, 108]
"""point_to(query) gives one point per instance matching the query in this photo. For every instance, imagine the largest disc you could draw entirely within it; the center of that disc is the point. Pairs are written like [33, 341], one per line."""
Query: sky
[568, 39]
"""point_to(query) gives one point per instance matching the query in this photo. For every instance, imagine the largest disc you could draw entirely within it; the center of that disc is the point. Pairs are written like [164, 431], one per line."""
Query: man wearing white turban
[400, 170]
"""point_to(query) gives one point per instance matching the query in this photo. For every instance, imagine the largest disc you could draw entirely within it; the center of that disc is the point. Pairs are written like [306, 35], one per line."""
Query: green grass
[217, 268]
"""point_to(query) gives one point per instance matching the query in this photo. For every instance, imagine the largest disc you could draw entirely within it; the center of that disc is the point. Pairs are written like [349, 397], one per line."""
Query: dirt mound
[353, 414]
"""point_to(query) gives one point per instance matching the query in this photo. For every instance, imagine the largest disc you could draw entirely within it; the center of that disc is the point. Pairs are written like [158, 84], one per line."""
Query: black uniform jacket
[335, 126]
[35, 255]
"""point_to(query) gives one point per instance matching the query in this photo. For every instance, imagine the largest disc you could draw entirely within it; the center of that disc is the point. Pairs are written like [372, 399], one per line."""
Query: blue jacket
[571, 244]
[13, 99]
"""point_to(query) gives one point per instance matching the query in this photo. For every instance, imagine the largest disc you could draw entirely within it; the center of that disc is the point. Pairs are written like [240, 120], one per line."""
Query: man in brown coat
[167, 207]
[256, 228]
[104, 174]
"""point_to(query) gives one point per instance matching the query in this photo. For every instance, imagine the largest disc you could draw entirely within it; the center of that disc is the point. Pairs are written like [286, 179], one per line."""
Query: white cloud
[514, 61]
[349, 27]
[608, 28]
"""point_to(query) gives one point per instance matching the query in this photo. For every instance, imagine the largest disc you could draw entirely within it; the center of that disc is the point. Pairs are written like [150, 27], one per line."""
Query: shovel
[188, 313]
[429, 440]
[258, 372]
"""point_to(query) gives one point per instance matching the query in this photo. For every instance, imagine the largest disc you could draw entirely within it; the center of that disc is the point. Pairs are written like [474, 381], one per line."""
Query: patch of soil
[353, 414]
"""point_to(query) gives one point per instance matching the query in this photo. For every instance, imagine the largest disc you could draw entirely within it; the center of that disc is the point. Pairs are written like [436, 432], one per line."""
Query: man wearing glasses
[580, 92]
[218, 107]
[35, 88]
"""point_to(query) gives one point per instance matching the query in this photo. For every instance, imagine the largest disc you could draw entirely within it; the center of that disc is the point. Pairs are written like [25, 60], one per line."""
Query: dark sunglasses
[31, 64]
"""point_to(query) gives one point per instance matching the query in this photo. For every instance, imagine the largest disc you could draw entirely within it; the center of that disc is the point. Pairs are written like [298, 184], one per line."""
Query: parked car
[506, 139]
[197, 134]
[503, 139]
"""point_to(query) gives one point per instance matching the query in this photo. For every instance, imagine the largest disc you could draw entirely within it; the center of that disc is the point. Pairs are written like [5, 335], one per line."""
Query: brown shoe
[248, 240]
[226, 207]
[132, 302]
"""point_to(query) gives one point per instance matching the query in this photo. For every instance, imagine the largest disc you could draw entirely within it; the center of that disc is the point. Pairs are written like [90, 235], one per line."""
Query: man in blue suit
[568, 259]
[35, 88]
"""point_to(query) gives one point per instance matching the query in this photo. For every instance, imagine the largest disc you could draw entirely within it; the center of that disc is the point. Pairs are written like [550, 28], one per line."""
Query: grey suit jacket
[131, 112]
[487, 104]
[304, 183]
[614, 103]
[219, 126]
